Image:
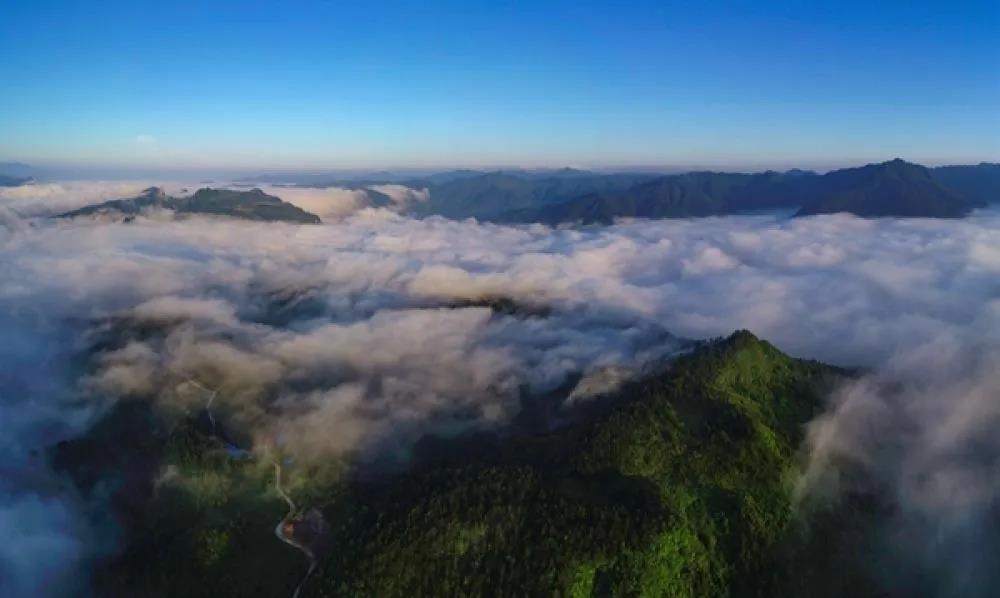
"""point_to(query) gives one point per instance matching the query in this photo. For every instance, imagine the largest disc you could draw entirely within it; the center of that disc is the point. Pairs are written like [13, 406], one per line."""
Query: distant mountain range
[893, 188]
[980, 183]
[14, 181]
[491, 195]
[248, 205]
[16, 170]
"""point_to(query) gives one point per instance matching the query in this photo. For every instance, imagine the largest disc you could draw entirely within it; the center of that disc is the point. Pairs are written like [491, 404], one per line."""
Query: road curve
[279, 530]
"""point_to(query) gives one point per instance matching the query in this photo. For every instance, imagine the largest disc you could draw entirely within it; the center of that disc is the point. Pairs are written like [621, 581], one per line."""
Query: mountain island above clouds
[890, 189]
[400, 406]
[246, 205]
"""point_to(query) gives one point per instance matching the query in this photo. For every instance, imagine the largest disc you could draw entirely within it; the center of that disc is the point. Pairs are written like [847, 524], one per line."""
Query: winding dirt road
[285, 528]
[286, 525]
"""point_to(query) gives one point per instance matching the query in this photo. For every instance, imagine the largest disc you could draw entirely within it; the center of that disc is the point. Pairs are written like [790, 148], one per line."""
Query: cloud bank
[351, 338]
[329, 203]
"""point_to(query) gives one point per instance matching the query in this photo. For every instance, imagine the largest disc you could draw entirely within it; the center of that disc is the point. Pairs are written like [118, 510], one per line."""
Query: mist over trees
[450, 378]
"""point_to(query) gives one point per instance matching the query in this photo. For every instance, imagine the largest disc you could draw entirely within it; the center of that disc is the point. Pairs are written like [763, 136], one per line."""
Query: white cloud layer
[339, 338]
[46, 199]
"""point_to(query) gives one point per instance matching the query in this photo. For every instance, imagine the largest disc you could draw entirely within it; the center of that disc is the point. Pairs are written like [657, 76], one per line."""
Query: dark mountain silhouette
[979, 183]
[894, 188]
[17, 169]
[552, 196]
[490, 194]
[14, 181]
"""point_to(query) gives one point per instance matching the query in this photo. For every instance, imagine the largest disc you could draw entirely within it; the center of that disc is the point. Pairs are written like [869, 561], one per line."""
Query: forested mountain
[677, 485]
[247, 205]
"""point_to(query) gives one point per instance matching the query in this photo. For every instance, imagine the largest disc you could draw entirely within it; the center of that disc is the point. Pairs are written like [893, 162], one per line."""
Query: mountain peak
[899, 163]
[154, 193]
[893, 188]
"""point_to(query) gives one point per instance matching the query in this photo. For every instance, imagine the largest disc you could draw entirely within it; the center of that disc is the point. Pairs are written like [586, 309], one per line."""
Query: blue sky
[367, 84]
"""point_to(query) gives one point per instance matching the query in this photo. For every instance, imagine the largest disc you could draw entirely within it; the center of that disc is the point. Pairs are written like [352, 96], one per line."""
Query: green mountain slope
[247, 205]
[678, 486]
[680, 490]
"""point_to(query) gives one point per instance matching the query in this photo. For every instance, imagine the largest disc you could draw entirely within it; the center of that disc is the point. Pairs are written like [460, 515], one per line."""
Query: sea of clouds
[343, 338]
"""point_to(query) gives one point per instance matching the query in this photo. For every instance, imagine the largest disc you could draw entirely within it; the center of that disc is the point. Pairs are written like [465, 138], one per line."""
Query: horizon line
[48, 168]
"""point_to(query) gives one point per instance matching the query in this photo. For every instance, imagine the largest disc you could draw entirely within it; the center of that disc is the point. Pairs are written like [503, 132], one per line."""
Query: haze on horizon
[137, 87]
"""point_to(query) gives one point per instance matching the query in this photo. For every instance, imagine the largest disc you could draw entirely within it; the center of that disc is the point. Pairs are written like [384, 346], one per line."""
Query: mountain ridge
[679, 487]
[247, 205]
[892, 188]
[15, 181]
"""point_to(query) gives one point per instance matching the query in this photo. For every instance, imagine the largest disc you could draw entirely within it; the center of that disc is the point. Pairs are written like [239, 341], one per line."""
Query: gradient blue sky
[367, 84]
